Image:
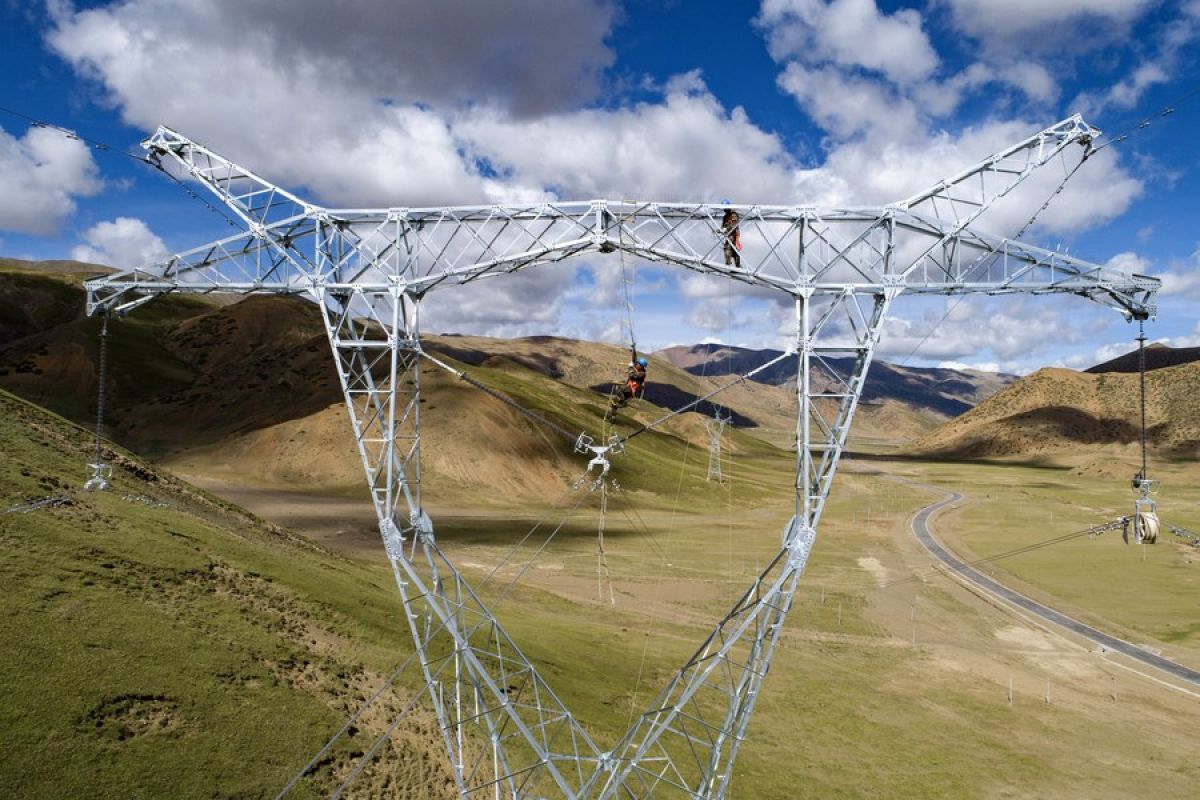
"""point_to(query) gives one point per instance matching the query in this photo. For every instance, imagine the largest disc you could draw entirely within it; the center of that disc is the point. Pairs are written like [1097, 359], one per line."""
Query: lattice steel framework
[716, 429]
[370, 270]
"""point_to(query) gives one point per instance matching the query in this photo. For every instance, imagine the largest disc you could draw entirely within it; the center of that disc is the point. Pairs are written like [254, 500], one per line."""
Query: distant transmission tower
[716, 427]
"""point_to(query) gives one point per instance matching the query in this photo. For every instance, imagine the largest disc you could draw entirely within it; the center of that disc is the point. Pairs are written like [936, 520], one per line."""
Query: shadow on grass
[508, 532]
[669, 398]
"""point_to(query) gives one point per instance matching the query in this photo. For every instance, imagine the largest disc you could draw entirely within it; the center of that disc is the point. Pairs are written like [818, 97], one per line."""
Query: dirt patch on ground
[875, 567]
[129, 715]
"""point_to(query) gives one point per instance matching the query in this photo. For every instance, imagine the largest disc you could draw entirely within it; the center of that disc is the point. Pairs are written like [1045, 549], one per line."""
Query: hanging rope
[603, 573]
[628, 275]
[1142, 376]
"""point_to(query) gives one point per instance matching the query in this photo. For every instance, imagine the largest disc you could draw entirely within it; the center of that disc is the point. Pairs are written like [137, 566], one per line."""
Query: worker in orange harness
[635, 382]
[732, 236]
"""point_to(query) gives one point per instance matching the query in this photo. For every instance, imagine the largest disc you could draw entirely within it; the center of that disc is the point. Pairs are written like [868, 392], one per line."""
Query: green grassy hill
[160, 643]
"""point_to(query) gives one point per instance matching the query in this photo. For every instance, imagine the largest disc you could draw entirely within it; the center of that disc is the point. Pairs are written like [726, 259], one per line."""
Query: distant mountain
[947, 392]
[1059, 410]
[1158, 356]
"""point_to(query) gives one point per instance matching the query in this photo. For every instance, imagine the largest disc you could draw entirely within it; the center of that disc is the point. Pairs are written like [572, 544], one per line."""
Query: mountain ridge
[945, 391]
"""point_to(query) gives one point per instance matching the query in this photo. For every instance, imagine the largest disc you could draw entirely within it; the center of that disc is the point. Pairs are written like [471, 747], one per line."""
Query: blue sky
[785, 101]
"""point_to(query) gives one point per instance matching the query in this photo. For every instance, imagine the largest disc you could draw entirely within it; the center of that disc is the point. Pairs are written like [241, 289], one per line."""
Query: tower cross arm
[245, 263]
[965, 196]
[256, 200]
[973, 262]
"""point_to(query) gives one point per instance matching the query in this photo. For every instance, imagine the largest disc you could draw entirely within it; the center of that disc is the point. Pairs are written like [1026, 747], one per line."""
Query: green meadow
[162, 643]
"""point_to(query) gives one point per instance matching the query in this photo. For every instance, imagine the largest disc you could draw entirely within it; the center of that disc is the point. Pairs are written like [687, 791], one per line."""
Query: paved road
[921, 529]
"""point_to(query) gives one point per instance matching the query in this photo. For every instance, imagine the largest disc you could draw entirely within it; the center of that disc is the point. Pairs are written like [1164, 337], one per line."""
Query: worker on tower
[635, 382]
[732, 236]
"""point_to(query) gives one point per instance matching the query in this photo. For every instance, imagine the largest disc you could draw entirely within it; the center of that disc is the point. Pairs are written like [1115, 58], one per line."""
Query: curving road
[920, 526]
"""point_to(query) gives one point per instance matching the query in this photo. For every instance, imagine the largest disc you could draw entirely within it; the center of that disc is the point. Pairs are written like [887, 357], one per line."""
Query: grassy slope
[190, 651]
[182, 651]
[1102, 580]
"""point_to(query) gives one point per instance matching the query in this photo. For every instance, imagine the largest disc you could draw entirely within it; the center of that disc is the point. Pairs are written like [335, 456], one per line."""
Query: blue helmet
[643, 362]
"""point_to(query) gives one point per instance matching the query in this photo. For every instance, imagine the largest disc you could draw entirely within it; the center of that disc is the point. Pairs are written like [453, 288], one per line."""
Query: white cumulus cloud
[485, 108]
[849, 33]
[337, 104]
[686, 146]
[1037, 20]
[41, 174]
[124, 242]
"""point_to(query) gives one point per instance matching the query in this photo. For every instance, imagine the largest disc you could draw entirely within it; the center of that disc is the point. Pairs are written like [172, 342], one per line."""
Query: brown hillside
[249, 389]
[470, 444]
[1057, 410]
[1157, 356]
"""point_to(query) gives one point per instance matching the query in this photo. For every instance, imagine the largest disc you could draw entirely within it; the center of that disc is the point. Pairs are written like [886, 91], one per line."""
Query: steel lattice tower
[715, 427]
[505, 731]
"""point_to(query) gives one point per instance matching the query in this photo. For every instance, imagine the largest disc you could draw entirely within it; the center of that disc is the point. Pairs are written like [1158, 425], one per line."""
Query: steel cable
[151, 161]
[689, 406]
[503, 398]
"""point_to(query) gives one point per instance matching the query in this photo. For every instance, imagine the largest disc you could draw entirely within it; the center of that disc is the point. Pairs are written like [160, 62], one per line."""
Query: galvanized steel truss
[370, 270]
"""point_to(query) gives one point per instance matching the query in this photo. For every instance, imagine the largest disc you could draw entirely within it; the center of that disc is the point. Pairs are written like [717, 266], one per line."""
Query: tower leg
[686, 743]
[506, 733]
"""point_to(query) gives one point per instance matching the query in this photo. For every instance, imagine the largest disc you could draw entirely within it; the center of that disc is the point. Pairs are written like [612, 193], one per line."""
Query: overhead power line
[104, 147]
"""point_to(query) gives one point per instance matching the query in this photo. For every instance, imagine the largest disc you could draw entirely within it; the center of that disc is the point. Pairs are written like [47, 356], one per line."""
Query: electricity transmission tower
[716, 427]
[506, 732]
